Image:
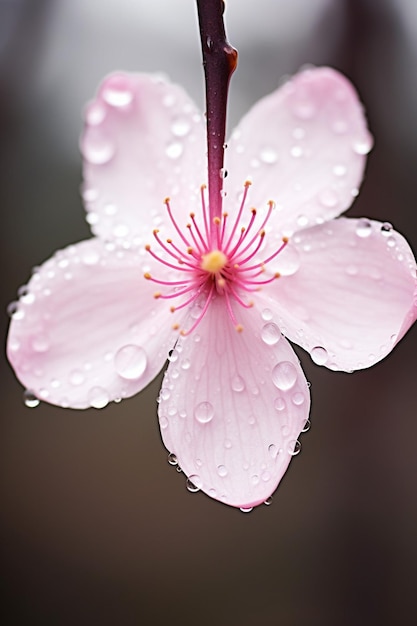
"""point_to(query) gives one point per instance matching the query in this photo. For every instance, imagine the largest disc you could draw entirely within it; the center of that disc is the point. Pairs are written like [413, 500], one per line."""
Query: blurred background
[97, 528]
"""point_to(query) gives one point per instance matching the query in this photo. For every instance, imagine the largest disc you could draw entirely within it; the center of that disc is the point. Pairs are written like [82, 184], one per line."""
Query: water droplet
[339, 170]
[130, 362]
[268, 501]
[194, 483]
[248, 510]
[174, 150]
[298, 398]
[30, 399]
[306, 426]
[180, 127]
[298, 133]
[268, 155]
[302, 221]
[280, 404]
[363, 145]
[238, 384]
[90, 257]
[76, 378]
[254, 479]
[95, 113]
[284, 375]
[363, 228]
[304, 109]
[272, 449]
[227, 444]
[270, 334]
[386, 229]
[222, 471]
[296, 152]
[15, 312]
[267, 315]
[98, 397]
[319, 355]
[163, 422]
[294, 447]
[117, 92]
[173, 355]
[328, 198]
[172, 459]
[204, 412]
[339, 127]
[351, 270]
[266, 476]
[97, 150]
[223, 173]
[185, 364]
[288, 261]
[40, 343]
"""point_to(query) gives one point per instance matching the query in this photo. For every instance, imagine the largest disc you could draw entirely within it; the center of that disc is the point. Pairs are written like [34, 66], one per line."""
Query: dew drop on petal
[204, 412]
[95, 113]
[180, 127]
[172, 459]
[98, 397]
[272, 449]
[194, 483]
[339, 170]
[267, 315]
[174, 150]
[363, 145]
[246, 510]
[76, 378]
[363, 228]
[268, 155]
[280, 404]
[98, 150]
[284, 375]
[294, 447]
[270, 334]
[238, 384]
[268, 501]
[14, 311]
[386, 229]
[117, 92]
[130, 362]
[319, 355]
[90, 257]
[306, 426]
[288, 261]
[222, 471]
[30, 399]
[298, 398]
[40, 343]
[163, 422]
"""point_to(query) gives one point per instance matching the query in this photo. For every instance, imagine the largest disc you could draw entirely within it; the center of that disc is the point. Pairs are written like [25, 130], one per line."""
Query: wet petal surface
[143, 141]
[304, 147]
[87, 329]
[232, 406]
[353, 294]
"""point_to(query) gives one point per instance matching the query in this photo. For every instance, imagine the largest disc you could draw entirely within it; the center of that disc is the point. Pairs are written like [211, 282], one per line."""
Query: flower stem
[219, 61]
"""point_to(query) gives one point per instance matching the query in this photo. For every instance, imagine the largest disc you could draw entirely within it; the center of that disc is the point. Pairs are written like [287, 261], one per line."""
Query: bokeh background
[97, 528]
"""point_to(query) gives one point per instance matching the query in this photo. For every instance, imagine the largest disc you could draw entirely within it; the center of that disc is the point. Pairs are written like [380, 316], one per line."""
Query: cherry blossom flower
[161, 276]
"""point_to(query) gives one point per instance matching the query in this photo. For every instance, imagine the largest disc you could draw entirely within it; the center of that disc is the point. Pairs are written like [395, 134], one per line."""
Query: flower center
[218, 260]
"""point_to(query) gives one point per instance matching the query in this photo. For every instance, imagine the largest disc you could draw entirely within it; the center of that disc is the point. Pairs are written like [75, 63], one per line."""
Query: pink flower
[97, 320]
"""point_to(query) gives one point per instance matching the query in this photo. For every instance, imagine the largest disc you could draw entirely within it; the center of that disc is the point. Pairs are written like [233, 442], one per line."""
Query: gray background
[96, 527]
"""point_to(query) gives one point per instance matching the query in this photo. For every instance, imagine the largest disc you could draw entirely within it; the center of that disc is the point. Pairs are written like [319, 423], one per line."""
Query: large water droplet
[95, 113]
[270, 334]
[204, 412]
[98, 397]
[386, 229]
[30, 399]
[194, 483]
[280, 404]
[14, 311]
[246, 510]
[284, 375]
[238, 384]
[363, 228]
[172, 459]
[267, 315]
[363, 145]
[130, 362]
[298, 398]
[319, 355]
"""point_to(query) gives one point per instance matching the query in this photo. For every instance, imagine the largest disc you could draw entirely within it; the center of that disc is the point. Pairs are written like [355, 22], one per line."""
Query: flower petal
[144, 140]
[232, 406]
[303, 147]
[351, 299]
[87, 329]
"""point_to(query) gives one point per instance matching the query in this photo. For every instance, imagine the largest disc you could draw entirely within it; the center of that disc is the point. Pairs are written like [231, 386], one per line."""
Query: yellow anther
[213, 261]
[155, 231]
[216, 221]
[221, 282]
[247, 183]
[285, 240]
[190, 250]
[182, 333]
[147, 247]
[169, 240]
[157, 295]
[262, 233]
[203, 186]
[239, 328]
[225, 215]
[175, 326]
[166, 200]
[172, 309]
[253, 210]
[192, 215]
[277, 275]
[271, 204]
[147, 276]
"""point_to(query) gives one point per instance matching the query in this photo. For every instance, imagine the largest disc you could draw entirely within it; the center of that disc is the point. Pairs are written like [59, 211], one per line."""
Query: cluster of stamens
[217, 260]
